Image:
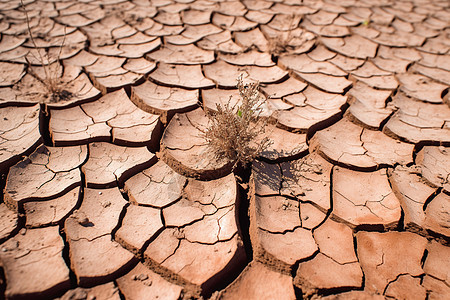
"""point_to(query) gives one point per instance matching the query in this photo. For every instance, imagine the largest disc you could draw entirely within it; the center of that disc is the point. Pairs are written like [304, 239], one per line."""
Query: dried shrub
[236, 132]
[52, 81]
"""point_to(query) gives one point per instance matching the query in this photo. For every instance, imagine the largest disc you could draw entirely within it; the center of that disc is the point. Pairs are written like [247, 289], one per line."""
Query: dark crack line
[211, 244]
[283, 232]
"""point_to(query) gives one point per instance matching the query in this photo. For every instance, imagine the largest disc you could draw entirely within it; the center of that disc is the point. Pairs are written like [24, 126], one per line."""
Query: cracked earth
[111, 192]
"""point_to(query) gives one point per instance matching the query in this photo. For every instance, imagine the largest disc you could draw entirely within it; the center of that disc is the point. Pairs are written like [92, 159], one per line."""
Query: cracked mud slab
[249, 58]
[307, 179]
[141, 283]
[182, 76]
[19, 133]
[285, 88]
[417, 122]
[185, 55]
[95, 257]
[364, 198]
[101, 292]
[323, 273]
[284, 144]
[437, 276]
[47, 173]
[157, 186]
[9, 220]
[51, 212]
[358, 148]
[311, 108]
[224, 74]
[285, 208]
[354, 46]
[11, 73]
[112, 117]
[335, 243]
[406, 287]
[200, 224]
[370, 106]
[281, 241]
[113, 82]
[355, 295]
[109, 164]
[385, 256]
[162, 100]
[434, 166]
[413, 193]
[139, 225]
[321, 74]
[258, 281]
[422, 88]
[33, 263]
[437, 213]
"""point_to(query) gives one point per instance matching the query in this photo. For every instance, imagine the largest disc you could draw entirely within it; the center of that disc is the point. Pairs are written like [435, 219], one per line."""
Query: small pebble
[83, 221]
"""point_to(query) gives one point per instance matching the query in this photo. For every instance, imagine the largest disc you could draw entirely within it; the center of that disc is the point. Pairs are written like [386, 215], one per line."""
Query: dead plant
[52, 80]
[281, 43]
[236, 131]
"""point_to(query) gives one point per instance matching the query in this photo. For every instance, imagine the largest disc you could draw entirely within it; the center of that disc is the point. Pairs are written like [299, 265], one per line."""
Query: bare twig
[41, 58]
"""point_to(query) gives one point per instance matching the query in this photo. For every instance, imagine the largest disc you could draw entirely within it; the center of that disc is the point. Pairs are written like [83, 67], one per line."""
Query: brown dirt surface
[110, 190]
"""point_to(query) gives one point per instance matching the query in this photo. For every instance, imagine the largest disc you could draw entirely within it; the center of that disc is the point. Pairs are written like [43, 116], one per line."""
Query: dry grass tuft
[281, 43]
[55, 87]
[235, 131]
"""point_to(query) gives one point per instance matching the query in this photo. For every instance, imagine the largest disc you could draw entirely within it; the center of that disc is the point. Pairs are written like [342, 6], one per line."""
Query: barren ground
[109, 191]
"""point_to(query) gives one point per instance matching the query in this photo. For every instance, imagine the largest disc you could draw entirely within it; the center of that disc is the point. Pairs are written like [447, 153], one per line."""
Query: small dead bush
[236, 132]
